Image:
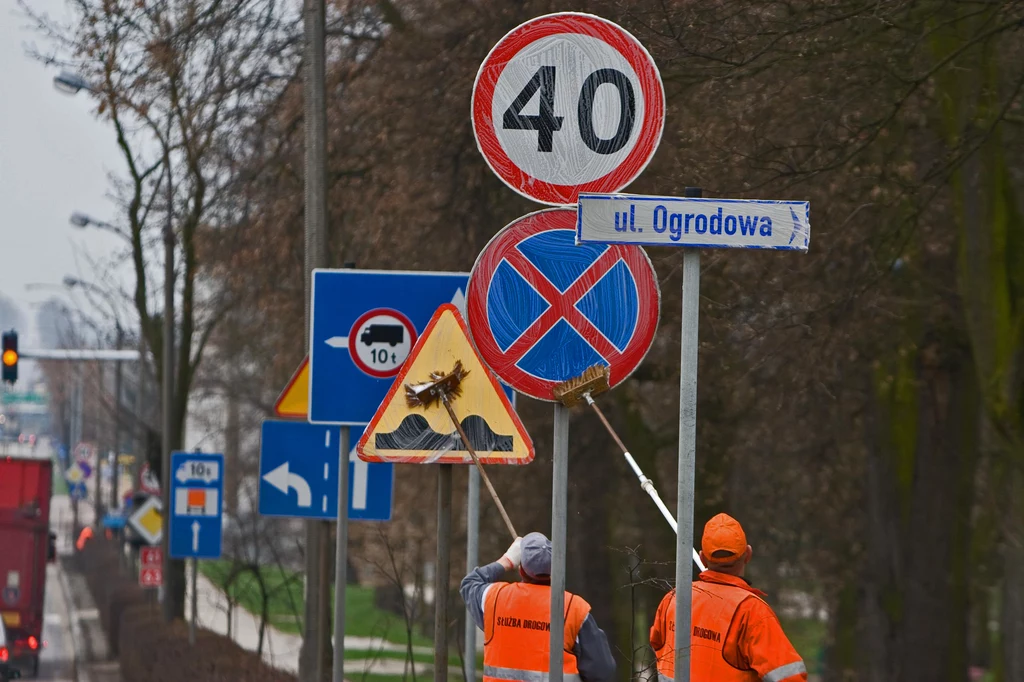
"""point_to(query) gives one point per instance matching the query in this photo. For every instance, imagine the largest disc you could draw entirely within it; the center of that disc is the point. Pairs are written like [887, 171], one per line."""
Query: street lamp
[70, 83]
[71, 282]
[81, 221]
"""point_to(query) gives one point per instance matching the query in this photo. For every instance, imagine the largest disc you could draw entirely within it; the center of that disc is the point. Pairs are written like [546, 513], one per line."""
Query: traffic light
[10, 356]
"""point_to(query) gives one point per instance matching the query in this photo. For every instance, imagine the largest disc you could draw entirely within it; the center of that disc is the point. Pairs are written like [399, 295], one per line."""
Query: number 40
[547, 124]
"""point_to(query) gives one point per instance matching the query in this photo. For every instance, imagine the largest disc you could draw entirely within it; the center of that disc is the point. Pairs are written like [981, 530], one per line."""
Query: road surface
[57, 661]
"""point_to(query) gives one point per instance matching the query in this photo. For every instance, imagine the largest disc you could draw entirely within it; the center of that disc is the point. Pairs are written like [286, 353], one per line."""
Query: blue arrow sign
[196, 505]
[363, 326]
[299, 474]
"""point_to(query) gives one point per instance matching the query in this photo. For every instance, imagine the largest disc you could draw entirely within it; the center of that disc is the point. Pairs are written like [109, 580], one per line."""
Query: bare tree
[175, 80]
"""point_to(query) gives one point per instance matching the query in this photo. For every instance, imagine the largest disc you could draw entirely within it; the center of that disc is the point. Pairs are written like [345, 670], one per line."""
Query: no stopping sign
[568, 103]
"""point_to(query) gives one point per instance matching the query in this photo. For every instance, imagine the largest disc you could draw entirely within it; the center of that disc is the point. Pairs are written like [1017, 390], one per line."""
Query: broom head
[593, 381]
[441, 384]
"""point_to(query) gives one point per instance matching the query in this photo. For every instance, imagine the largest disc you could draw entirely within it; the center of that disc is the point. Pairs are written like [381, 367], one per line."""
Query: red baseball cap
[724, 540]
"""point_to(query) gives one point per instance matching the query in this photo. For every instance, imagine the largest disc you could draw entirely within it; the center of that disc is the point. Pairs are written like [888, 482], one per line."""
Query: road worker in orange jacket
[736, 636]
[83, 538]
[515, 618]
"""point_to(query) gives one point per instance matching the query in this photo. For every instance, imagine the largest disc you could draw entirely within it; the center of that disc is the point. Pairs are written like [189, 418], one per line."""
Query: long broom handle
[476, 460]
[645, 482]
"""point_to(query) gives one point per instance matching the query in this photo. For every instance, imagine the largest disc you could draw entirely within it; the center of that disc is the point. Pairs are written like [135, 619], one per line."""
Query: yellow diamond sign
[148, 520]
[74, 474]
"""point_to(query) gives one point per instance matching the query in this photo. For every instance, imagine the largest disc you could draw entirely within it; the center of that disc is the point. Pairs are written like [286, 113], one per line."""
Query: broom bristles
[429, 393]
[594, 380]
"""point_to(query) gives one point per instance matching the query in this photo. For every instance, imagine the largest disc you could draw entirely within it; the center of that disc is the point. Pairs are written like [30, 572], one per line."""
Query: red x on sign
[542, 309]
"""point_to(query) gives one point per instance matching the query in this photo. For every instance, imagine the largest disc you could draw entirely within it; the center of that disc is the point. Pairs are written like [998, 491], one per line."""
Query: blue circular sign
[542, 309]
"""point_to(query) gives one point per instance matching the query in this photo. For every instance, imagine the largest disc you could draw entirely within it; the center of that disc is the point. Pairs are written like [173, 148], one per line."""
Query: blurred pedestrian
[736, 636]
[83, 538]
[515, 618]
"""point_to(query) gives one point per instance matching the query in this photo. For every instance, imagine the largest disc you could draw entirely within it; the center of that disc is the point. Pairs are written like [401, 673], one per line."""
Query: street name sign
[299, 474]
[542, 309]
[196, 500]
[693, 222]
[566, 103]
[400, 433]
[363, 324]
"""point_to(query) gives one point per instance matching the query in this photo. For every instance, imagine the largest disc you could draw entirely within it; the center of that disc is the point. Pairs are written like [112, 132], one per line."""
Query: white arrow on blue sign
[196, 502]
[299, 474]
[699, 223]
[363, 325]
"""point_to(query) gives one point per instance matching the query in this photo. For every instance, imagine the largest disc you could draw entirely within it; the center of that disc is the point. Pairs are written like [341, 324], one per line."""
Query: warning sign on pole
[294, 399]
[400, 433]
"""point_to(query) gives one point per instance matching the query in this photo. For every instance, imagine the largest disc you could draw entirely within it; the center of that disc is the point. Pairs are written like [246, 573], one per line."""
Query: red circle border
[635, 258]
[541, 27]
[355, 328]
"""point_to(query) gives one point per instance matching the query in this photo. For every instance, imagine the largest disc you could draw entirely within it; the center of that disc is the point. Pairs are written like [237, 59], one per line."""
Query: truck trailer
[26, 546]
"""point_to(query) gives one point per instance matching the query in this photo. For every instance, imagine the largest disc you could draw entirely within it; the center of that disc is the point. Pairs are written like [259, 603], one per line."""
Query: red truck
[27, 546]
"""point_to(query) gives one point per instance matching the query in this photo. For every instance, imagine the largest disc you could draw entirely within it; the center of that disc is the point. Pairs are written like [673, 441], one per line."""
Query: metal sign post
[693, 223]
[559, 517]
[686, 473]
[195, 603]
[472, 560]
[341, 557]
[442, 568]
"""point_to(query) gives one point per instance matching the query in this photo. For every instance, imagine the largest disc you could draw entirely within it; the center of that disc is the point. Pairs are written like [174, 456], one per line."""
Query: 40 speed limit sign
[568, 103]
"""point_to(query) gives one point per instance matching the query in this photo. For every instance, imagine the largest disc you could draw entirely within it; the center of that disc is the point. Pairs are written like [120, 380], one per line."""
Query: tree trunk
[1012, 625]
[938, 536]
[232, 472]
[174, 578]
[920, 490]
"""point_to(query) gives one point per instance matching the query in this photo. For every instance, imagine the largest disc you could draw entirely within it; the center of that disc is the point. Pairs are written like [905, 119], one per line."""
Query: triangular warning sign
[399, 433]
[294, 399]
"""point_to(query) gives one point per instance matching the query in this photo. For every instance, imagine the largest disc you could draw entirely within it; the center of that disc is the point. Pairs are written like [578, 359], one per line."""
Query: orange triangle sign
[418, 435]
[294, 399]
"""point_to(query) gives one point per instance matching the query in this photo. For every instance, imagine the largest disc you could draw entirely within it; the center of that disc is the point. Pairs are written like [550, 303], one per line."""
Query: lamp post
[70, 283]
[71, 83]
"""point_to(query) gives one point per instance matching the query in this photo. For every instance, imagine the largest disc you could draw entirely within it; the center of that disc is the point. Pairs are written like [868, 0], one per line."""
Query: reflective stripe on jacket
[735, 638]
[517, 632]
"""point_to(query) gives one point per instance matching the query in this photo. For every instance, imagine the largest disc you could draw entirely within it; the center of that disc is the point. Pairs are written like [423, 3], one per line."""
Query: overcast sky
[55, 158]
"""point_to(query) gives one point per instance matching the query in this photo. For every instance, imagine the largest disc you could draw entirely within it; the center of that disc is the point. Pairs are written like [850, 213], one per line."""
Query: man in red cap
[736, 636]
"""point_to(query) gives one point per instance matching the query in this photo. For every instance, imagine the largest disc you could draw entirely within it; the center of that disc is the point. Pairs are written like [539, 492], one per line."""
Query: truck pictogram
[391, 334]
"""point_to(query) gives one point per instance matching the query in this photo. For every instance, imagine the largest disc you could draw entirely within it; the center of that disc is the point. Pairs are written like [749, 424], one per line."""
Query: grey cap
[536, 559]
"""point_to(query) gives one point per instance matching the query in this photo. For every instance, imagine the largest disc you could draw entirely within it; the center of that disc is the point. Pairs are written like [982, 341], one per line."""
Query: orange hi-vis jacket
[83, 537]
[517, 632]
[736, 636]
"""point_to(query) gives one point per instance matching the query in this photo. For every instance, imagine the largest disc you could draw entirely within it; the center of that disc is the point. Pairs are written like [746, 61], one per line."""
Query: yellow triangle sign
[294, 399]
[418, 435]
